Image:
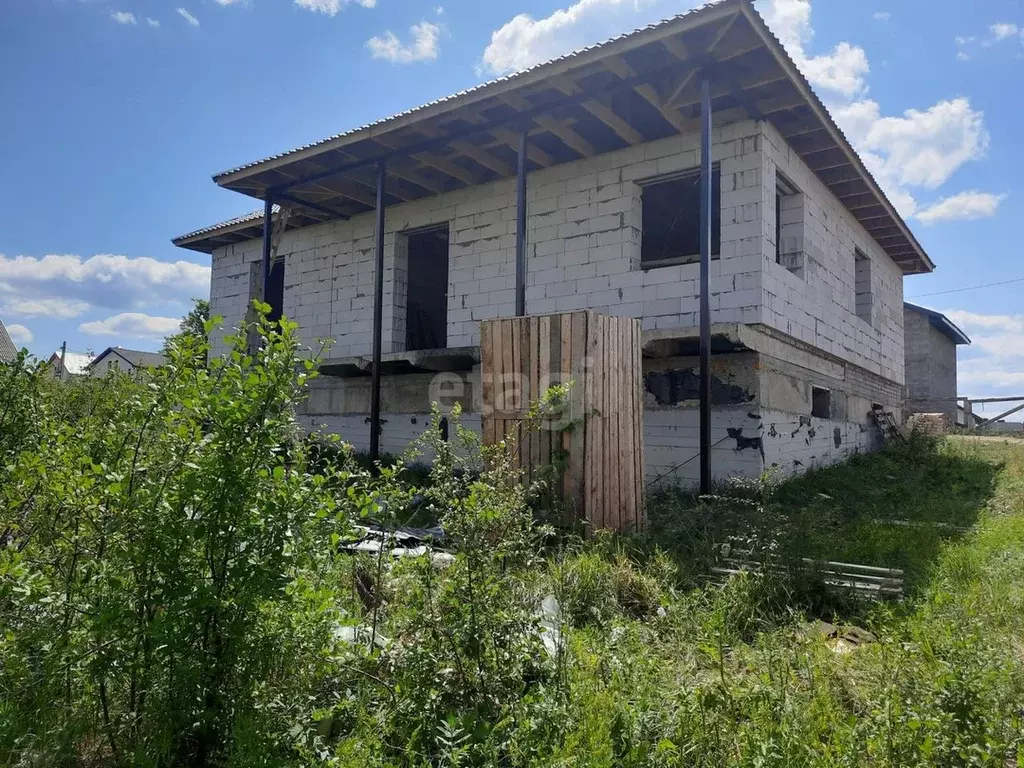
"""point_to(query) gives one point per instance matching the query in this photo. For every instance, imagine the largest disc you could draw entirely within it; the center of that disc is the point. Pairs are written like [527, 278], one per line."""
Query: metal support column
[705, 285]
[378, 316]
[268, 236]
[521, 225]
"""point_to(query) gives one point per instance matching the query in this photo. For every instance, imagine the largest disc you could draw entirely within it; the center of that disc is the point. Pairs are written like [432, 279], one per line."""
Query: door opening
[426, 320]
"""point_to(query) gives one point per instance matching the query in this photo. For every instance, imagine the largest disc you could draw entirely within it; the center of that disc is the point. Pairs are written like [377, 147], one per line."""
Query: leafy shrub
[163, 548]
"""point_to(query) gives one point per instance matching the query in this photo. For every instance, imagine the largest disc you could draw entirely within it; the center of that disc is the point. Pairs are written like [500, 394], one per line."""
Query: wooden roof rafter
[638, 87]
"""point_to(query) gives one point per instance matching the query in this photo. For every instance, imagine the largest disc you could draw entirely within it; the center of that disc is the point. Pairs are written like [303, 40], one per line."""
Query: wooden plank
[533, 152]
[541, 374]
[573, 454]
[640, 465]
[595, 430]
[527, 358]
[483, 157]
[612, 456]
[626, 426]
[486, 381]
[576, 335]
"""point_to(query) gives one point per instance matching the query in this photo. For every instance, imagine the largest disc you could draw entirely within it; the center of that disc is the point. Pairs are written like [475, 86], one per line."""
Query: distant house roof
[597, 99]
[75, 363]
[136, 358]
[940, 322]
[7, 349]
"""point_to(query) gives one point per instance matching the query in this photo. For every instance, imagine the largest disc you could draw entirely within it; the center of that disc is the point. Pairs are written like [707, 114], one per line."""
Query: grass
[736, 675]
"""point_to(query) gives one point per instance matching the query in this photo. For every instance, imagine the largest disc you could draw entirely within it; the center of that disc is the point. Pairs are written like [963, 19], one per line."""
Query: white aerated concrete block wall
[583, 250]
[794, 444]
[819, 305]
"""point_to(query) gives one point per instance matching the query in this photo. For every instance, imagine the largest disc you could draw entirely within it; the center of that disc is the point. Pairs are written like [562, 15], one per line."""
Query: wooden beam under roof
[483, 157]
[839, 175]
[811, 143]
[431, 160]
[729, 88]
[619, 67]
[677, 48]
[566, 135]
[602, 112]
[804, 89]
[331, 189]
[511, 139]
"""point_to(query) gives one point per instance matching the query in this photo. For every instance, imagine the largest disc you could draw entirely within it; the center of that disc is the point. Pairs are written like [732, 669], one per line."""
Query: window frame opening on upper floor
[670, 218]
[789, 225]
[428, 260]
[863, 289]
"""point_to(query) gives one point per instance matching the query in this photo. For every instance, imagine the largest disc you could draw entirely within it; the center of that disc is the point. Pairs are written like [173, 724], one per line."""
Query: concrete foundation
[762, 405]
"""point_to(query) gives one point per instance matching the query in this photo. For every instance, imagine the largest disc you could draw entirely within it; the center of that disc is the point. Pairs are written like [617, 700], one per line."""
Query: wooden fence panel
[597, 437]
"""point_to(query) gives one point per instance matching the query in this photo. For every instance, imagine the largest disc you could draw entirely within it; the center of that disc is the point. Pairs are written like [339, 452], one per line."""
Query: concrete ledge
[397, 363]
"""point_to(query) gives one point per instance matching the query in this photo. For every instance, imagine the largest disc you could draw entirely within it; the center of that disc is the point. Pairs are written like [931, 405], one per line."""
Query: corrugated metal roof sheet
[785, 59]
[245, 218]
[76, 363]
[504, 79]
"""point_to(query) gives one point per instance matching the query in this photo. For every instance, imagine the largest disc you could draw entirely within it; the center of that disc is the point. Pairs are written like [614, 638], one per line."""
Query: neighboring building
[75, 364]
[808, 253]
[1004, 427]
[8, 350]
[930, 342]
[124, 360]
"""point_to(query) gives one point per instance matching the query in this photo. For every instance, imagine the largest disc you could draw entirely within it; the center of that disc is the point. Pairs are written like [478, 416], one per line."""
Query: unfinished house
[930, 342]
[576, 184]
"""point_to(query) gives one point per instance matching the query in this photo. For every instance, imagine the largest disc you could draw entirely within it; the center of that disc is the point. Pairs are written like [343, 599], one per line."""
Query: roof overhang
[639, 87]
[941, 323]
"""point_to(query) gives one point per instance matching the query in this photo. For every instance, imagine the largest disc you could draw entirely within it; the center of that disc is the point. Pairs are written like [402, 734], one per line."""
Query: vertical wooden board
[640, 465]
[506, 365]
[573, 442]
[528, 358]
[486, 393]
[628, 479]
[541, 371]
[595, 427]
[611, 452]
[616, 458]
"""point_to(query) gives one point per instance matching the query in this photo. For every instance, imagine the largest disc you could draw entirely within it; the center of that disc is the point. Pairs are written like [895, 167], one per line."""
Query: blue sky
[117, 112]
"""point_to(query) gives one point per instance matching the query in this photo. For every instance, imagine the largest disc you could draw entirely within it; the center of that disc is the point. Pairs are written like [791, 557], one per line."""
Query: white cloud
[964, 206]
[841, 71]
[229, 2]
[1002, 30]
[995, 359]
[192, 20]
[961, 56]
[152, 22]
[977, 374]
[59, 309]
[20, 335]
[439, 10]
[132, 325]
[975, 321]
[123, 17]
[116, 282]
[424, 45]
[525, 41]
[881, 16]
[921, 147]
[332, 7]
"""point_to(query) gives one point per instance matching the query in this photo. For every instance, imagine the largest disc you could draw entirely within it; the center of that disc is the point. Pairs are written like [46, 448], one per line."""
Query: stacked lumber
[593, 441]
